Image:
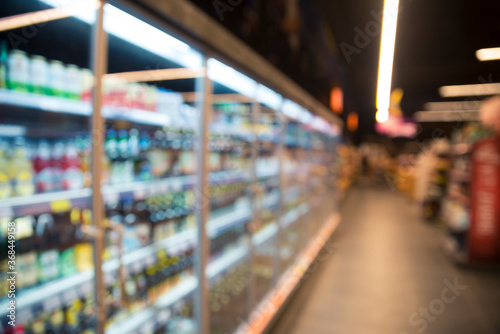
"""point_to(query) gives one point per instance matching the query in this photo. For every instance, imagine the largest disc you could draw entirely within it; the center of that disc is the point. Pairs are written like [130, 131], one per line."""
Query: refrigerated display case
[153, 188]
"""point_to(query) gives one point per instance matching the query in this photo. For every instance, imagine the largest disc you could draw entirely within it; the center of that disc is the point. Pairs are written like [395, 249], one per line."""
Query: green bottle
[3, 64]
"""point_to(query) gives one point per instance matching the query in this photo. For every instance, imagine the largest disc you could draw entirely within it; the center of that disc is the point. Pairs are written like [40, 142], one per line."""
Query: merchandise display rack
[213, 189]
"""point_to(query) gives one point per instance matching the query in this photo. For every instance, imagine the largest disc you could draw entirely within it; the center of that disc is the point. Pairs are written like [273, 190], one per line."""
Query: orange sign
[337, 100]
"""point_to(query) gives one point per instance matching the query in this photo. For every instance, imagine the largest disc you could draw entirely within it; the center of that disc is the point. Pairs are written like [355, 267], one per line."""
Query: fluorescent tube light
[268, 97]
[488, 54]
[382, 116]
[231, 78]
[453, 105]
[291, 109]
[318, 123]
[12, 130]
[133, 30]
[447, 116]
[52, 14]
[298, 113]
[386, 61]
[470, 90]
[305, 116]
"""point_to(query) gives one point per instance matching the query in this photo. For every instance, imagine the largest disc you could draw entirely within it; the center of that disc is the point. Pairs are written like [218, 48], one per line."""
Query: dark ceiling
[435, 46]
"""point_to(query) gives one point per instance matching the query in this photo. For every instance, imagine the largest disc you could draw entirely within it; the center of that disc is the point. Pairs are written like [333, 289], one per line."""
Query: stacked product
[348, 167]
[432, 166]
[35, 74]
[460, 199]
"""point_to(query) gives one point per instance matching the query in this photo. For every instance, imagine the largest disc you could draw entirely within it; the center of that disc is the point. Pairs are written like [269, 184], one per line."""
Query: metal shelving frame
[183, 20]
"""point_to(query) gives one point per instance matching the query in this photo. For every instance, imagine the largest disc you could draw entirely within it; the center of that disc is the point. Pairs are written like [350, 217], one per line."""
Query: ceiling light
[488, 54]
[447, 116]
[387, 46]
[470, 90]
[382, 116]
[453, 105]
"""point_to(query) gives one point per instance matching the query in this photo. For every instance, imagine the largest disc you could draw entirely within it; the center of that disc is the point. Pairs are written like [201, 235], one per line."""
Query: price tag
[176, 184]
[150, 260]
[69, 296]
[126, 271]
[85, 288]
[148, 328]
[112, 197]
[182, 247]
[24, 315]
[136, 266]
[158, 189]
[6, 212]
[163, 187]
[163, 316]
[49, 104]
[51, 304]
[62, 205]
[139, 194]
[149, 191]
[108, 278]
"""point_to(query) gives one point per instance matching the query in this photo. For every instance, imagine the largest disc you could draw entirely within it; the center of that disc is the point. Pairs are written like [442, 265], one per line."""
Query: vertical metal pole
[256, 194]
[280, 213]
[203, 94]
[307, 218]
[99, 56]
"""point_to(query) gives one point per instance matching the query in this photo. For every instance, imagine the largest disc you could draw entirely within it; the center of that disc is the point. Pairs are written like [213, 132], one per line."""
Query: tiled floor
[388, 275]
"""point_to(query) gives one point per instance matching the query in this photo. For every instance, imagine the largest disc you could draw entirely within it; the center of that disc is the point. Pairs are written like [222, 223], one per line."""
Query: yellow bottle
[5, 181]
[21, 170]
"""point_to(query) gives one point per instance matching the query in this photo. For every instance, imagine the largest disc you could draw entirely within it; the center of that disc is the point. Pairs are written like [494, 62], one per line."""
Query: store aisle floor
[387, 274]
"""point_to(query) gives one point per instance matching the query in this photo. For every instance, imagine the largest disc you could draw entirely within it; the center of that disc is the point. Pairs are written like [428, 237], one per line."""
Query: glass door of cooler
[45, 168]
[149, 181]
[294, 219]
[321, 178]
[231, 158]
[270, 126]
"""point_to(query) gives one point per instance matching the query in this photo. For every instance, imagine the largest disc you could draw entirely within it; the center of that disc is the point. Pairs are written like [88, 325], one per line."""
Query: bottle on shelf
[21, 169]
[67, 225]
[18, 70]
[56, 163]
[83, 246]
[158, 155]
[73, 82]
[45, 181]
[84, 149]
[112, 153]
[134, 149]
[55, 323]
[143, 167]
[48, 253]
[3, 64]
[72, 174]
[39, 72]
[26, 252]
[4, 256]
[71, 315]
[57, 80]
[126, 167]
[5, 179]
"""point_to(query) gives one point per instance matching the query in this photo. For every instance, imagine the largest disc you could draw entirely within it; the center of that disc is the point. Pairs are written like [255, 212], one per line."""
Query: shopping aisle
[387, 274]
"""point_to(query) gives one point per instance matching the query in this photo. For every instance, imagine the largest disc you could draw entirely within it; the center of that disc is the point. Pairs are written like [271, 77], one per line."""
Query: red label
[484, 233]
